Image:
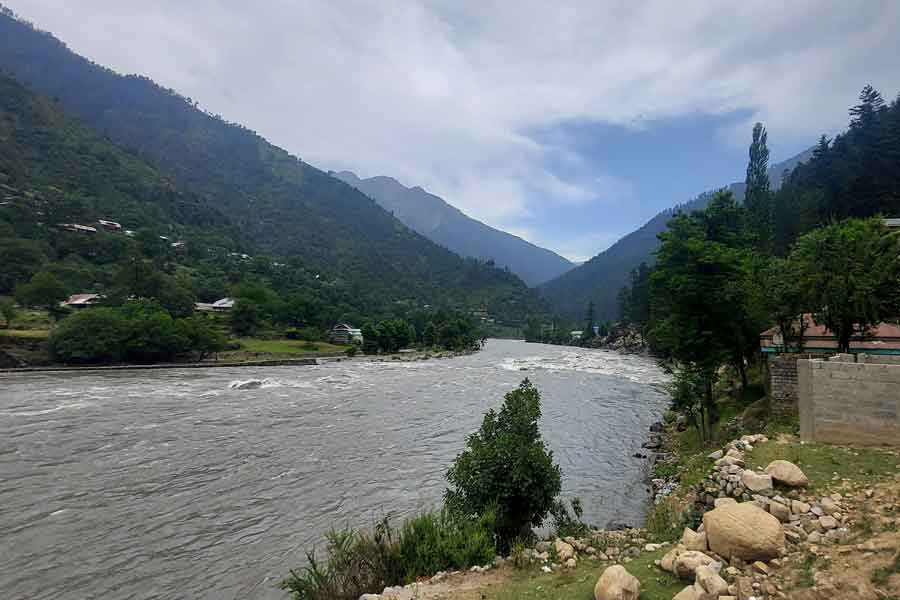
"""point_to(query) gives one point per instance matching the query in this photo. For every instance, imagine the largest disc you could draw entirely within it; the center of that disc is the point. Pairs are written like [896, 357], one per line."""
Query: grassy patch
[291, 347]
[823, 462]
[578, 583]
[25, 334]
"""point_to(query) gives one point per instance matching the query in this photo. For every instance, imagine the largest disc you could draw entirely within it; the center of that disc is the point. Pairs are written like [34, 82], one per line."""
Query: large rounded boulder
[744, 531]
[787, 473]
[616, 583]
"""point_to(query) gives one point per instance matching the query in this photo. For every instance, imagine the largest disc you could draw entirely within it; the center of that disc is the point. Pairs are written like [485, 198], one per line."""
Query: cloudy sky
[568, 123]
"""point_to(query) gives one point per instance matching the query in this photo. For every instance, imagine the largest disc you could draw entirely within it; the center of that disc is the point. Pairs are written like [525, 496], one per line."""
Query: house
[221, 305]
[345, 334]
[576, 335]
[179, 247]
[817, 339]
[81, 300]
[110, 225]
[892, 223]
[76, 228]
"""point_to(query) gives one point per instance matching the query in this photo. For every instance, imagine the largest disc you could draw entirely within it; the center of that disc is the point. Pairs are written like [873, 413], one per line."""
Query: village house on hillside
[110, 225]
[221, 305]
[81, 300]
[345, 334]
[817, 339]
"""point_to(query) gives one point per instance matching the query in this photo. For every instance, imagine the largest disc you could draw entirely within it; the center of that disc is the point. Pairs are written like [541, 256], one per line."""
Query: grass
[822, 462]
[25, 334]
[290, 347]
[578, 583]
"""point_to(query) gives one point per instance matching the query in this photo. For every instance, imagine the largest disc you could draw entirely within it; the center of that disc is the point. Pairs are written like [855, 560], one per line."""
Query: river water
[170, 484]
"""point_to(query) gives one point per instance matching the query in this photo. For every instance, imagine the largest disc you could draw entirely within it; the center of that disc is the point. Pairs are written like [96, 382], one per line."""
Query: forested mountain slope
[448, 226]
[601, 278]
[281, 205]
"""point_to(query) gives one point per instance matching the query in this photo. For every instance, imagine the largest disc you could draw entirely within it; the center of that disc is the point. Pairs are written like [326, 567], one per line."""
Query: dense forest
[245, 209]
[817, 248]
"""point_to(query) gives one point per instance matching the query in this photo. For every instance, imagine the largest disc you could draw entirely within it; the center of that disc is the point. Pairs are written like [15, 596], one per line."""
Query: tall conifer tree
[758, 197]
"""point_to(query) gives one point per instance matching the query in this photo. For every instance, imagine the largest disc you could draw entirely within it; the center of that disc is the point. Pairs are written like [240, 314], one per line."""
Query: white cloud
[442, 93]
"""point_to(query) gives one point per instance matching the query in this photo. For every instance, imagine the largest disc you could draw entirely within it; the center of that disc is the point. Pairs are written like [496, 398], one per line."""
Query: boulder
[828, 522]
[687, 593]
[708, 584]
[693, 540]
[787, 473]
[744, 531]
[667, 563]
[564, 550]
[686, 564]
[779, 511]
[616, 583]
[723, 501]
[798, 507]
[756, 482]
[571, 563]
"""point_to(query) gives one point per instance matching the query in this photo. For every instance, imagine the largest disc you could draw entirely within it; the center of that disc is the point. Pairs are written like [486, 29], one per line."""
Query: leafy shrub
[433, 542]
[356, 564]
[351, 350]
[307, 334]
[506, 465]
[92, 335]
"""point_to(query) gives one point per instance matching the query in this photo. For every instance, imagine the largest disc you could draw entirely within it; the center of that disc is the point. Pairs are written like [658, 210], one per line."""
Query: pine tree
[758, 197]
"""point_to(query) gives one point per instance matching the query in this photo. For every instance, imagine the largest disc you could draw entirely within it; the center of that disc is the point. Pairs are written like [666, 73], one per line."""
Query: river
[170, 484]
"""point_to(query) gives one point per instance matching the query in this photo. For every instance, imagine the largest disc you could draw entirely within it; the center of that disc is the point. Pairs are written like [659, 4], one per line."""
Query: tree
[19, 261]
[8, 310]
[507, 467]
[246, 317]
[430, 334]
[701, 321]
[44, 291]
[202, 337]
[851, 271]
[757, 197]
[91, 335]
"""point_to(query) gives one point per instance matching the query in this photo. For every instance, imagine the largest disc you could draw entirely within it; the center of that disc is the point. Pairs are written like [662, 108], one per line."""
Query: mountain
[279, 204]
[446, 225]
[601, 278]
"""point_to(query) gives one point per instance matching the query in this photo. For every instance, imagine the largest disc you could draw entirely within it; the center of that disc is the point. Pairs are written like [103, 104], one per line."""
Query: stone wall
[850, 402]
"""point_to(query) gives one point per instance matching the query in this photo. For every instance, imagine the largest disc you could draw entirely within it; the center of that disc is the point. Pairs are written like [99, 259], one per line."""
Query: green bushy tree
[851, 271]
[506, 467]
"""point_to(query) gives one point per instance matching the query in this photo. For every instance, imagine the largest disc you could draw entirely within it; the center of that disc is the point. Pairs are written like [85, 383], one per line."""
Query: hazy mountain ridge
[601, 278]
[439, 221]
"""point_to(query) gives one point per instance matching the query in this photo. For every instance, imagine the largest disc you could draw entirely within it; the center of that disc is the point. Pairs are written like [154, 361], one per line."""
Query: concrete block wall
[850, 402]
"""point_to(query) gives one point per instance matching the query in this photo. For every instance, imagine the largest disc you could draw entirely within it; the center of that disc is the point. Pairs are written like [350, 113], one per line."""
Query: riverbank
[823, 523]
[257, 353]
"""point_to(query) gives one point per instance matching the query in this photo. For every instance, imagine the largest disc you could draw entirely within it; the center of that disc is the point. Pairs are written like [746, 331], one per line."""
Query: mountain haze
[601, 278]
[448, 226]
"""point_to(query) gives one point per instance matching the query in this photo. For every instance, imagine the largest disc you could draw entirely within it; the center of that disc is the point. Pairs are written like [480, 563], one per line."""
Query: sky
[567, 123]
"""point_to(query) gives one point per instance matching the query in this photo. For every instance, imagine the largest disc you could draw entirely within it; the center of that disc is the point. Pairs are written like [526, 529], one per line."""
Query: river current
[171, 484]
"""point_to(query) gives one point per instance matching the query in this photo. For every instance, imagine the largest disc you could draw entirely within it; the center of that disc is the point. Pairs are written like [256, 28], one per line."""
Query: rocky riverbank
[770, 530]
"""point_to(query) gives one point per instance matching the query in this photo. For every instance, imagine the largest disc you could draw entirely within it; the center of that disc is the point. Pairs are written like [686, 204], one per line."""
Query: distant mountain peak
[448, 226]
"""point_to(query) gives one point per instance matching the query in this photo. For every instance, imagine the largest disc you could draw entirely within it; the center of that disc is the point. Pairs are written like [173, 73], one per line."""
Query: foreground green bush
[358, 563]
[434, 542]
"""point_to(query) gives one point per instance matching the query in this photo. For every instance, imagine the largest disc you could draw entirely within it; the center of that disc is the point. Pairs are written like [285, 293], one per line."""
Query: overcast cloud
[466, 98]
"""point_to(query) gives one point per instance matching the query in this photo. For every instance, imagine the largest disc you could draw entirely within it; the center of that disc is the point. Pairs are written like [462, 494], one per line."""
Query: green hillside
[166, 164]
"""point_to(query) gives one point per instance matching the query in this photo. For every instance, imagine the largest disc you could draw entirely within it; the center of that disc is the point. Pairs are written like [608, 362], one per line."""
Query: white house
[345, 334]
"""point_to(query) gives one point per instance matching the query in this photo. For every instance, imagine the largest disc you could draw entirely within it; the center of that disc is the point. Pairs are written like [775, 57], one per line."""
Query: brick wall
[850, 402]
